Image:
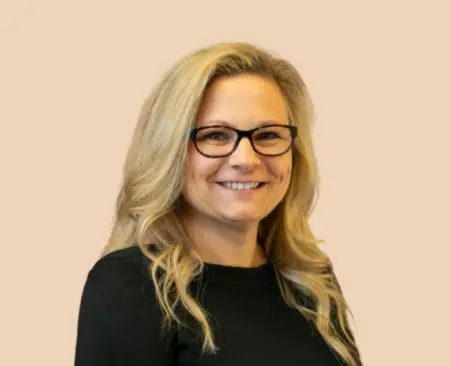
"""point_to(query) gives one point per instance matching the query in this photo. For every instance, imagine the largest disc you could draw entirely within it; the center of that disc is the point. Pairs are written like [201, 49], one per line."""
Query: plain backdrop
[73, 75]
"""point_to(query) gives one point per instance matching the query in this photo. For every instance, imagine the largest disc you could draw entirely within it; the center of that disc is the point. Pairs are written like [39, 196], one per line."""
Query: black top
[120, 323]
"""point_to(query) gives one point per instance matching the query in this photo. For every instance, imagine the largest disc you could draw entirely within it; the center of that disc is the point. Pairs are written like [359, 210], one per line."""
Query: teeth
[237, 185]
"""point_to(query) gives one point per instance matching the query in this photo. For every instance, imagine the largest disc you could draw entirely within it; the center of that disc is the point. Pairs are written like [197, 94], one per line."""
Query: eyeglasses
[219, 141]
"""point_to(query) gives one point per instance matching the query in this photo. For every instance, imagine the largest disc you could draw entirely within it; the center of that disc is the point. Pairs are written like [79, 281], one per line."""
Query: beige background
[73, 76]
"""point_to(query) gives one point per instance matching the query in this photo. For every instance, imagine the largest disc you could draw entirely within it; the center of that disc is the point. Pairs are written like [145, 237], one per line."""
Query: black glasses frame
[242, 134]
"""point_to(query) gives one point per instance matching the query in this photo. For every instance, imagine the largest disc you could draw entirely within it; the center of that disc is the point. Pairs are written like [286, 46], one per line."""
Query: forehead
[243, 101]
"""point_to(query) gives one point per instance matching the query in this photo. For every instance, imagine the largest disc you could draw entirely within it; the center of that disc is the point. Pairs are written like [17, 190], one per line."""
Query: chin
[243, 217]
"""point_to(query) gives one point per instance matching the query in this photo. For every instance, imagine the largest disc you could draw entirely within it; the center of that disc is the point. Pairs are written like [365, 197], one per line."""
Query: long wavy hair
[150, 193]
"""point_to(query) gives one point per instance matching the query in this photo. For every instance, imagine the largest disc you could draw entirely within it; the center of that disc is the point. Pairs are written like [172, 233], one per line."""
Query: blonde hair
[146, 208]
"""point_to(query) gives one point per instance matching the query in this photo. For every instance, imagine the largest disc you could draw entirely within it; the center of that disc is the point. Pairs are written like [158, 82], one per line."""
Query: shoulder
[122, 264]
[119, 319]
[120, 277]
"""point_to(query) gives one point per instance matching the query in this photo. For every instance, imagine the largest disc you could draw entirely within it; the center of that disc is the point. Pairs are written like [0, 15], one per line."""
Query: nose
[244, 155]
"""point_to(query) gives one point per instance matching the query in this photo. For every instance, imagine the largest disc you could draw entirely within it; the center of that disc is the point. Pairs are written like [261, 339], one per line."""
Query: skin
[222, 224]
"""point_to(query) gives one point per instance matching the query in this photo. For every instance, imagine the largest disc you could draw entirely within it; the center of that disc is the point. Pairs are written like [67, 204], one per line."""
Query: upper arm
[119, 322]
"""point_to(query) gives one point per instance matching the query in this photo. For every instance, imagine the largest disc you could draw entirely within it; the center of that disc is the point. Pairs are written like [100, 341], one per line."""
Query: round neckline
[261, 276]
[246, 277]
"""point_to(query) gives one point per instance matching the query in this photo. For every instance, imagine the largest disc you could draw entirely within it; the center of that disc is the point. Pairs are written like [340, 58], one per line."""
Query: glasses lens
[215, 141]
[272, 140]
[220, 141]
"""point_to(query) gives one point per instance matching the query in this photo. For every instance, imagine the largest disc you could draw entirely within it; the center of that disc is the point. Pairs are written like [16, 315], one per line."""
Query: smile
[241, 186]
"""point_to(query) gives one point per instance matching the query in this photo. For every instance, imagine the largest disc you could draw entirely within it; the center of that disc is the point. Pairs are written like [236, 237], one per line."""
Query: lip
[242, 181]
[243, 192]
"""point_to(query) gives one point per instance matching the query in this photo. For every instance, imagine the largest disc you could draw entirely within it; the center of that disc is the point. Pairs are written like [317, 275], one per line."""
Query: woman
[211, 260]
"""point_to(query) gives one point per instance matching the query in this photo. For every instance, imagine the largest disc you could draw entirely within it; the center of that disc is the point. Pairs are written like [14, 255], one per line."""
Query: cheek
[284, 170]
[200, 170]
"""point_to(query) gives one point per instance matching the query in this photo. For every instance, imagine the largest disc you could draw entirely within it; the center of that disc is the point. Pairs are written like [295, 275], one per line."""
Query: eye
[215, 135]
[220, 136]
[267, 135]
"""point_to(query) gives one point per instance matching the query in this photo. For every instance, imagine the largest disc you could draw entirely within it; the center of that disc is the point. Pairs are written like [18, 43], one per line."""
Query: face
[245, 102]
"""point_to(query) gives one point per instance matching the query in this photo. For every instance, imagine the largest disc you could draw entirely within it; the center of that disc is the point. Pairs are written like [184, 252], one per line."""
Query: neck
[224, 243]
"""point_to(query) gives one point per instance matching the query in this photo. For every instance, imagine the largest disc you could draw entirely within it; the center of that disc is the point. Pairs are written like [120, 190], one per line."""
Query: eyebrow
[229, 124]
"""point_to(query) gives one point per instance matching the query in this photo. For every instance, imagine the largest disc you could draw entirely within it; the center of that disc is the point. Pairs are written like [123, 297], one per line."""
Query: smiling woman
[211, 243]
[243, 148]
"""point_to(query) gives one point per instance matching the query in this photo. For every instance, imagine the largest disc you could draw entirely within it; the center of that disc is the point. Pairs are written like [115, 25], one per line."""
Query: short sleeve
[119, 322]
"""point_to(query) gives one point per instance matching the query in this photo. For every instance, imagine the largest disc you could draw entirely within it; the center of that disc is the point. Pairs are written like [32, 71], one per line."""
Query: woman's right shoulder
[128, 261]
[119, 318]
[119, 276]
